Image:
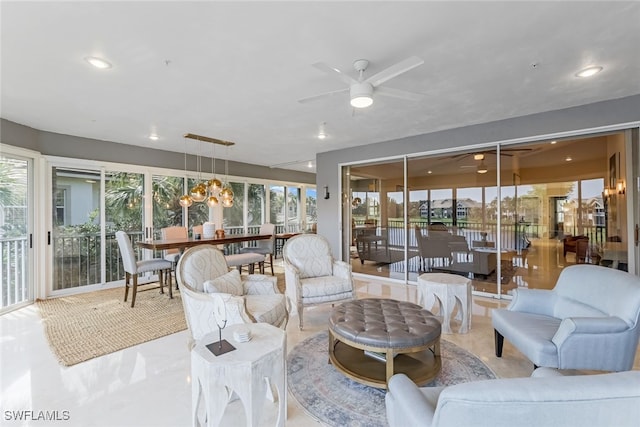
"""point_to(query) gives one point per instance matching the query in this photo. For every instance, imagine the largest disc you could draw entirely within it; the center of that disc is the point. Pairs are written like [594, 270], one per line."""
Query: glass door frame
[33, 276]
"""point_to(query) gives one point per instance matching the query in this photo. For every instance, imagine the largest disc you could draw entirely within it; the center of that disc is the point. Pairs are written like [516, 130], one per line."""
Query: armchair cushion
[313, 266]
[270, 309]
[324, 286]
[229, 283]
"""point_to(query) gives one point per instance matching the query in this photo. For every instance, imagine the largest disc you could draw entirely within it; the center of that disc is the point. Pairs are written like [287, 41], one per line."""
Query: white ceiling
[235, 70]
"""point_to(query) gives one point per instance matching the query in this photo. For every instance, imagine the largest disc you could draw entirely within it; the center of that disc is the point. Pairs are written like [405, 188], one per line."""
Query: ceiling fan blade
[397, 93]
[395, 70]
[335, 72]
[323, 95]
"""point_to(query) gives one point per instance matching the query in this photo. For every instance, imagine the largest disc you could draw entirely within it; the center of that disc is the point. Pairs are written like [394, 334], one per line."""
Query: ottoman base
[422, 364]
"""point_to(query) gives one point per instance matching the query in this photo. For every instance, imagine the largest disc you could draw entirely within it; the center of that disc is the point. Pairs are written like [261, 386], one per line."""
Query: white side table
[245, 371]
[448, 290]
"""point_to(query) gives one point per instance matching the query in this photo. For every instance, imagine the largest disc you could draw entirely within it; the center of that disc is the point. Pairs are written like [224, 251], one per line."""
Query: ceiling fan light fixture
[482, 168]
[361, 95]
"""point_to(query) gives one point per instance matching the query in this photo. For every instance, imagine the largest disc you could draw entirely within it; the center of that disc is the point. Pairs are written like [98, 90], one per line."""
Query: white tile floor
[149, 384]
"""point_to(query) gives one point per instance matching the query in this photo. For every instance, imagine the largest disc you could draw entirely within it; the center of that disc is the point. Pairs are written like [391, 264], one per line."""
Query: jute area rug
[335, 400]
[84, 326]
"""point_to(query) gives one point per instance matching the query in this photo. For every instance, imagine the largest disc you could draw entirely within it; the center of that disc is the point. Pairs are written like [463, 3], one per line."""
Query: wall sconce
[620, 186]
[326, 192]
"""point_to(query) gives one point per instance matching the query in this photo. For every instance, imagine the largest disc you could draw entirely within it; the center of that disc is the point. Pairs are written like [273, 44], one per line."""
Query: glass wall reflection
[505, 217]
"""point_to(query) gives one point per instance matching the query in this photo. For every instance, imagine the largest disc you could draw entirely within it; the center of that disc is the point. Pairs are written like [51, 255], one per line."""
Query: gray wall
[55, 144]
[581, 118]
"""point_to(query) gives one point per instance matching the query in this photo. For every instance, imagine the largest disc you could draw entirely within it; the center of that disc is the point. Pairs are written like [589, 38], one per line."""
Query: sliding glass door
[75, 236]
[504, 216]
[16, 235]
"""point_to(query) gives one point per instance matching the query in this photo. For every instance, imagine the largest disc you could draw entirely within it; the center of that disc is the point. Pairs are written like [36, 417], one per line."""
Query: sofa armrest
[537, 301]
[260, 284]
[406, 405]
[588, 325]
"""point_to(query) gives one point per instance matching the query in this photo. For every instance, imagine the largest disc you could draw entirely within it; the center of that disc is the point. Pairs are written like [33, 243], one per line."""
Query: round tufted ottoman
[371, 339]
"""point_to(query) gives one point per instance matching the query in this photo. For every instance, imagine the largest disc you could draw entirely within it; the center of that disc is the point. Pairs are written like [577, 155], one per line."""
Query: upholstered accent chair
[589, 320]
[203, 277]
[312, 275]
[133, 267]
[264, 247]
[172, 255]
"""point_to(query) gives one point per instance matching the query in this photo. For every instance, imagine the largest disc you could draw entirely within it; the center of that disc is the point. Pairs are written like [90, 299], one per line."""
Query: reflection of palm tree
[13, 183]
[11, 178]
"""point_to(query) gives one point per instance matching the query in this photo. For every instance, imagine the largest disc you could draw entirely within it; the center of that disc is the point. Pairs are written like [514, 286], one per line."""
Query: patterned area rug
[335, 400]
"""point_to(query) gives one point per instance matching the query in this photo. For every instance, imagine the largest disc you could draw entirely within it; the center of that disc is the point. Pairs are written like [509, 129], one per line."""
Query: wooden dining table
[182, 244]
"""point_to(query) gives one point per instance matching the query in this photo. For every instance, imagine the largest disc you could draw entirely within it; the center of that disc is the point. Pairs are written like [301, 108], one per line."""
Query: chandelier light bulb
[186, 201]
[215, 186]
[198, 193]
[212, 201]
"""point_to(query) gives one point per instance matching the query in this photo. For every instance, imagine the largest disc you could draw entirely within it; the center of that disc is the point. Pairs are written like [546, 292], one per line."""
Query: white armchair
[312, 275]
[203, 276]
[589, 320]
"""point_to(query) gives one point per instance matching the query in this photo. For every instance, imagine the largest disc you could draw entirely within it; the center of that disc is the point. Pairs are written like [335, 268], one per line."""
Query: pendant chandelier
[226, 193]
[213, 185]
[212, 191]
[185, 200]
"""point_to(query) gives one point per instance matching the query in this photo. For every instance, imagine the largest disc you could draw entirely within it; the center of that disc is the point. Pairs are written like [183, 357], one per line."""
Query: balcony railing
[77, 257]
[14, 254]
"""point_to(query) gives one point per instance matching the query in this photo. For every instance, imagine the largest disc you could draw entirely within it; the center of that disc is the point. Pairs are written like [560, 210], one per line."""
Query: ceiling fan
[361, 90]
[481, 167]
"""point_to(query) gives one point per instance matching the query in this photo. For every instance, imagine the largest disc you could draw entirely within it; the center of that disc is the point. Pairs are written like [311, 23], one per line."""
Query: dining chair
[264, 247]
[132, 267]
[172, 255]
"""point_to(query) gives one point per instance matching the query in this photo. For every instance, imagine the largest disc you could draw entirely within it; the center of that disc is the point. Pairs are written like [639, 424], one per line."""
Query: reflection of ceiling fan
[361, 90]
[480, 156]
[480, 167]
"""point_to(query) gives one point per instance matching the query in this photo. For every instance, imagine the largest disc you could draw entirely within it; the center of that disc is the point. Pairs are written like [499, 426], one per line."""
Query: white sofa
[547, 398]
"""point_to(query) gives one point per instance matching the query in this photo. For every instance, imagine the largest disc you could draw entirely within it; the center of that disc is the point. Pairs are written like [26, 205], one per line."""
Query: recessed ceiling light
[554, 142]
[568, 159]
[154, 137]
[310, 165]
[98, 62]
[589, 71]
[429, 172]
[478, 156]
[322, 130]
